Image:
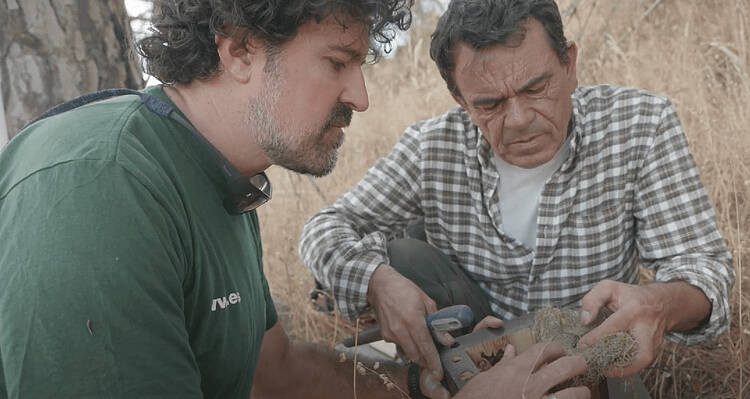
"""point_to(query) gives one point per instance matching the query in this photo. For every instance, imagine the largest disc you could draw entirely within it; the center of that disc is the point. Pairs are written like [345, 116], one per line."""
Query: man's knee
[418, 260]
[439, 277]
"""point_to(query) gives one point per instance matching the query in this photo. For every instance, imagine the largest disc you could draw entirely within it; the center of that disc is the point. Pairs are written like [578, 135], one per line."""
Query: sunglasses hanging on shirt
[247, 193]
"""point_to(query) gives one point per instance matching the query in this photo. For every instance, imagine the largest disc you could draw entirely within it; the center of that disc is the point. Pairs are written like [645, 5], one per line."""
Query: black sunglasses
[248, 193]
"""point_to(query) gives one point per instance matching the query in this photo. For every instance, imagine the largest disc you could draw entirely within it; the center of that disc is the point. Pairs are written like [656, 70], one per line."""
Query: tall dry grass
[695, 51]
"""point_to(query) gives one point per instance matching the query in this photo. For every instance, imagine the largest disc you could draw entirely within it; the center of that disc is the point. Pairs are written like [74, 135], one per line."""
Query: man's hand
[647, 312]
[529, 375]
[429, 383]
[401, 308]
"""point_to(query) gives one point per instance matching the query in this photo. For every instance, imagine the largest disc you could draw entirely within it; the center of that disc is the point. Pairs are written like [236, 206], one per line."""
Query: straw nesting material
[564, 327]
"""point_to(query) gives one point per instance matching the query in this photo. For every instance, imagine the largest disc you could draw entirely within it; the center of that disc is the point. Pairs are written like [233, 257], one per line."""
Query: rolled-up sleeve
[678, 236]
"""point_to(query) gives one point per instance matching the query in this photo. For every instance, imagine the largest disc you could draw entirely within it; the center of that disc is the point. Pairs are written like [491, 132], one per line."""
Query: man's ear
[238, 58]
[458, 98]
[570, 67]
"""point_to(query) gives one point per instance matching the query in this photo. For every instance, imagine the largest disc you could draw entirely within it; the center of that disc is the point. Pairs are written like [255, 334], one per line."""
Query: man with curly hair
[130, 265]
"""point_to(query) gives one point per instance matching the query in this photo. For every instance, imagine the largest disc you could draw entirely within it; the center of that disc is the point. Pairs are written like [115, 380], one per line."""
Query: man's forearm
[341, 258]
[686, 306]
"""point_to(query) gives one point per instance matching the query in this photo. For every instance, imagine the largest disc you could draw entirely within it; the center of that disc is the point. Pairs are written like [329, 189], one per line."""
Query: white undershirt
[520, 191]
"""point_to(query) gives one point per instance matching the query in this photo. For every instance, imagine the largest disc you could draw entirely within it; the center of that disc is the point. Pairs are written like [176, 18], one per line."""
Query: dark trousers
[441, 279]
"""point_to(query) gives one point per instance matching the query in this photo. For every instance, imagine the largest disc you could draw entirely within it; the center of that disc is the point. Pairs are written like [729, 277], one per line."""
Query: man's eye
[490, 106]
[337, 65]
[535, 89]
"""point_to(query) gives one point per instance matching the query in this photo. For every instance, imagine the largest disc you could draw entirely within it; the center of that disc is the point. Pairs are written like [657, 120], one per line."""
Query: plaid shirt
[628, 187]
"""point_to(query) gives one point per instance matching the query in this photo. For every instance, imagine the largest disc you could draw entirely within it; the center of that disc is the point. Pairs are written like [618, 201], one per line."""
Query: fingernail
[429, 381]
[437, 375]
[429, 384]
[444, 338]
[585, 317]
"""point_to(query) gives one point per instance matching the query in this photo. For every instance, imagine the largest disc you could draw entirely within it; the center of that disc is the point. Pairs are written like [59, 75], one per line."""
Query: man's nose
[519, 115]
[355, 92]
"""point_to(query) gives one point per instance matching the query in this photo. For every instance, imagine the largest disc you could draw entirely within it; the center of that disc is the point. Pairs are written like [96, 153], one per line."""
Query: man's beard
[304, 152]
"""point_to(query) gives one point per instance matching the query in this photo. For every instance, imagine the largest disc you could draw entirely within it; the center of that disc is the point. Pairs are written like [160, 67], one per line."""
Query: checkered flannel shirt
[628, 188]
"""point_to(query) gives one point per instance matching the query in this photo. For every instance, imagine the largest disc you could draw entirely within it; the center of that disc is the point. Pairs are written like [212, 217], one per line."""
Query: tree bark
[4, 136]
[55, 50]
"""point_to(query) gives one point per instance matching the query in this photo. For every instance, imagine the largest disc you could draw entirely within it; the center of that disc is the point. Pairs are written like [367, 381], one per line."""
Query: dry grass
[695, 51]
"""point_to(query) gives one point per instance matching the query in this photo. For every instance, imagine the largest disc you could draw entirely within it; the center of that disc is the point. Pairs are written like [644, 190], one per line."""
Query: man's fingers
[560, 371]
[412, 352]
[489, 322]
[574, 393]
[594, 300]
[402, 338]
[429, 384]
[401, 308]
[429, 305]
[509, 354]
[540, 354]
[427, 351]
[614, 323]
[444, 338]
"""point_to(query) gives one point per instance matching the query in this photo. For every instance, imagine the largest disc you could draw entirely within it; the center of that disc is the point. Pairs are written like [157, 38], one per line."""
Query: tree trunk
[4, 136]
[55, 50]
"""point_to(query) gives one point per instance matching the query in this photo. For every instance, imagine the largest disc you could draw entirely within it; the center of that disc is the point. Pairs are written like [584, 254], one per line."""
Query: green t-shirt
[121, 274]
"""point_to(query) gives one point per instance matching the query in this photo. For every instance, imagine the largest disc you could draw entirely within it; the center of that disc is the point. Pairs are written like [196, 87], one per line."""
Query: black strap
[412, 381]
[238, 184]
[154, 104]
[158, 107]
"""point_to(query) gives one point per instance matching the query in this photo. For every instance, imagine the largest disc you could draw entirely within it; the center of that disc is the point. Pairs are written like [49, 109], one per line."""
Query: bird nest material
[564, 327]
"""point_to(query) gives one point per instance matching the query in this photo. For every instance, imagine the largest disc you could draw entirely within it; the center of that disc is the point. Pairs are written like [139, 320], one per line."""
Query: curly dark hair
[181, 46]
[483, 23]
